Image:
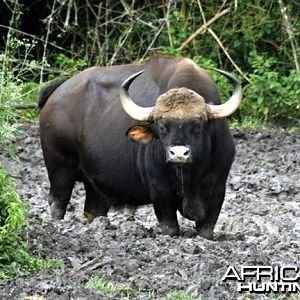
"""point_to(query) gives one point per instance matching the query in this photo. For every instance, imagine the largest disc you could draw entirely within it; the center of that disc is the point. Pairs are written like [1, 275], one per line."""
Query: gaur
[154, 132]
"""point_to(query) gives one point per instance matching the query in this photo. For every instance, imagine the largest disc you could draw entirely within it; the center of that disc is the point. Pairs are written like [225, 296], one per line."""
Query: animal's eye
[196, 127]
[163, 128]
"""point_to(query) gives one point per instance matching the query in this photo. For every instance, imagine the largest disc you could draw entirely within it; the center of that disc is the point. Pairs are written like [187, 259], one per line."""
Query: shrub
[8, 128]
[14, 89]
[272, 96]
[14, 257]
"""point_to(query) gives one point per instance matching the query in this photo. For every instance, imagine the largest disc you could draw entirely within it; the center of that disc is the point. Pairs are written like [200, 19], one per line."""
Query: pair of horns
[216, 111]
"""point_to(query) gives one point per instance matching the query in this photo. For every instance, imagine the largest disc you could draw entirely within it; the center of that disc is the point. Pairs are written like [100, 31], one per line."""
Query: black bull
[183, 148]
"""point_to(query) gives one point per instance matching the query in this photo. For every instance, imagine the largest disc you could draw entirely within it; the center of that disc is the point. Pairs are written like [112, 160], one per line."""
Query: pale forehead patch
[180, 103]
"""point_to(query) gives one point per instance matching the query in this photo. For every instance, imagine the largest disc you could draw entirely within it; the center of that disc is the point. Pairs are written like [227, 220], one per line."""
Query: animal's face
[182, 139]
[180, 119]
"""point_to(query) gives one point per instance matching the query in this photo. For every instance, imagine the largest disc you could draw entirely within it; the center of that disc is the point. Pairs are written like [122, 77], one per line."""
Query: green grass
[248, 123]
[111, 290]
[35, 297]
[178, 295]
[256, 123]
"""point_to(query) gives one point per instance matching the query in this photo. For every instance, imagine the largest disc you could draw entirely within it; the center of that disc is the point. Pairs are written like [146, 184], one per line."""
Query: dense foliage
[15, 88]
[14, 253]
[12, 218]
[258, 40]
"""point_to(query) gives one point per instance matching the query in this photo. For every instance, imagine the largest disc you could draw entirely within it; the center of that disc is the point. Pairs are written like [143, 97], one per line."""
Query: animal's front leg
[165, 211]
[213, 202]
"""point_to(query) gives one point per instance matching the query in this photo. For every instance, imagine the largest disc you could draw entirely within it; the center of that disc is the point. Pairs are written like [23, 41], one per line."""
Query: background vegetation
[14, 257]
[256, 39]
[40, 40]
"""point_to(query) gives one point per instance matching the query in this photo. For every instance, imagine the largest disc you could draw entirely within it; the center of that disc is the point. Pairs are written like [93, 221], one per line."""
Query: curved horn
[133, 110]
[231, 105]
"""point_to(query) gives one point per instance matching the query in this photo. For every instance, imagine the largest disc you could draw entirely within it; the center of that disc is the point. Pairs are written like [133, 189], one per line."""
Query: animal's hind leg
[95, 203]
[61, 185]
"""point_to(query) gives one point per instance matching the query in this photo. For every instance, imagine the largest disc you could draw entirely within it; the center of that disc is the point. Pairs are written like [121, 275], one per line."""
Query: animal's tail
[48, 90]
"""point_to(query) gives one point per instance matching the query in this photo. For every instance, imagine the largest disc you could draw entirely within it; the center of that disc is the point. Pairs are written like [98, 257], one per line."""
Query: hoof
[169, 230]
[89, 216]
[206, 233]
[57, 213]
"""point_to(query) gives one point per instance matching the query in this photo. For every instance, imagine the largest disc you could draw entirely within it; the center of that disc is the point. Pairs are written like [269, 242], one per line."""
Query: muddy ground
[259, 225]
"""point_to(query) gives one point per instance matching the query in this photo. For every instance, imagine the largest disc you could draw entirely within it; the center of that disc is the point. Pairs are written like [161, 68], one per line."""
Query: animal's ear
[140, 134]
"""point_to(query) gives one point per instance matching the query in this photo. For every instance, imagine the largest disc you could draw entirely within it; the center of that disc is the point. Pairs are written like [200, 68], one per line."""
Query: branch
[121, 44]
[202, 29]
[34, 37]
[44, 59]
[290, 33]
[166, 11]
[202, 12]
[165, 23]
[5, 65]
[227, 54]
[219, 42]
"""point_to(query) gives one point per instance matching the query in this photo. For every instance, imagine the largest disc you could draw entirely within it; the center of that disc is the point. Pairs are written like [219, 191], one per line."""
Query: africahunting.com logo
[264, 279]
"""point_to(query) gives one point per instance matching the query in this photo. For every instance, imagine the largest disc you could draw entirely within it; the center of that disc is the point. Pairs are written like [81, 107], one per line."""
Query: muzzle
[179, 154]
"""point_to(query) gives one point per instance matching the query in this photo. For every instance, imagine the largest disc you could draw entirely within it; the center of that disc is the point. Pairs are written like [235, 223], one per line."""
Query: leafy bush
[224, 87]
[29, 92]
[9, 91]
[14, 90]
[63, 65]
[12, 213]
[14, 257]
[12, 218]
[272, 96]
